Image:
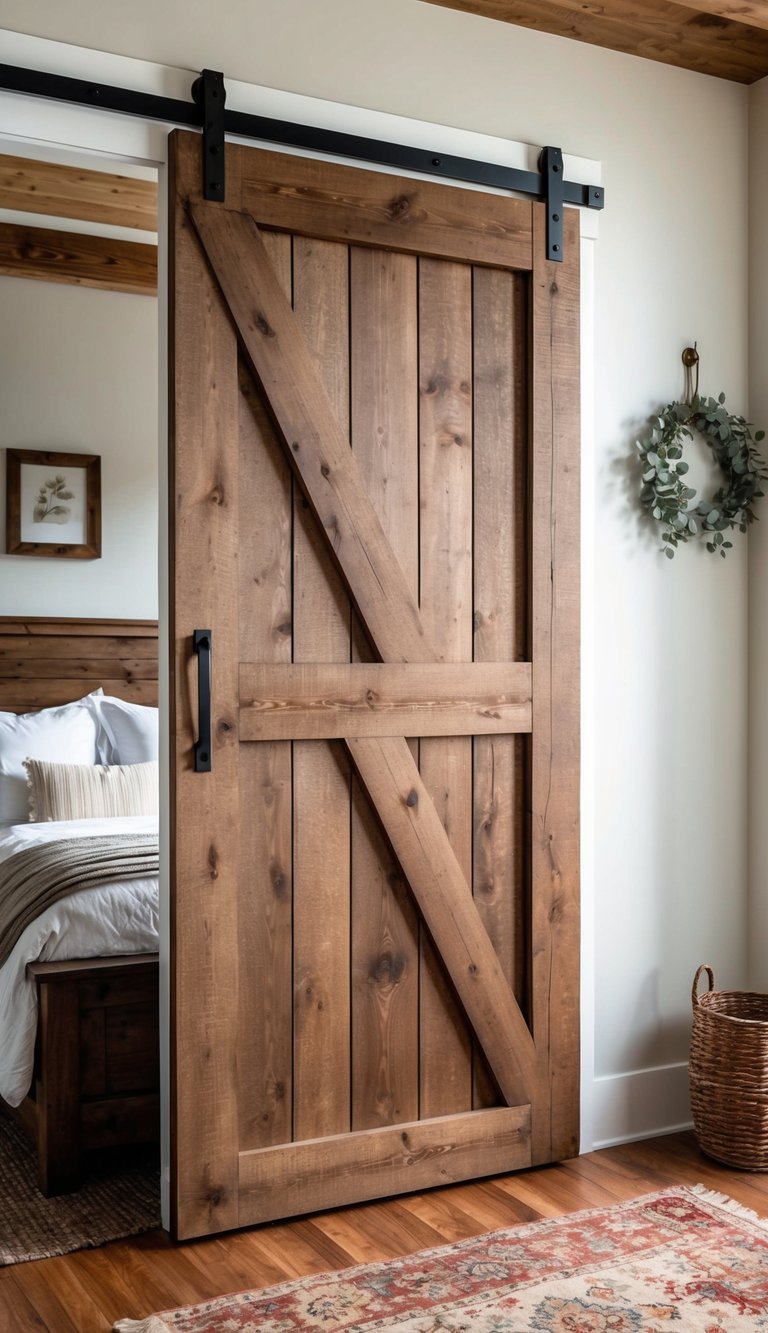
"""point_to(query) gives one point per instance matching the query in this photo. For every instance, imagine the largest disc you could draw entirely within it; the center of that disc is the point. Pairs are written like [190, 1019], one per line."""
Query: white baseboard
[638, 1105]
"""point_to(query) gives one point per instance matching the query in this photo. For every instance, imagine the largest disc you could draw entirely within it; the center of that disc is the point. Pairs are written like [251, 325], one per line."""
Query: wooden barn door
[375, 899]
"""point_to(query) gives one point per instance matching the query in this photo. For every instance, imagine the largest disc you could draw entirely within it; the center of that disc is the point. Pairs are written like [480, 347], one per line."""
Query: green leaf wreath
[665, 493]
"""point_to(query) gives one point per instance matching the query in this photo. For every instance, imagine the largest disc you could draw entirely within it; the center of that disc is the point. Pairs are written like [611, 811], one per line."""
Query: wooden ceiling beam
[87, 261]
[752, 13]
[31, 186]
[685, 34]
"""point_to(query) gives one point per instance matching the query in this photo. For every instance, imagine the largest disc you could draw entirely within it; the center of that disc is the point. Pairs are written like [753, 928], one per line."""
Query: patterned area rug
[683, 1259]
[112, 1203]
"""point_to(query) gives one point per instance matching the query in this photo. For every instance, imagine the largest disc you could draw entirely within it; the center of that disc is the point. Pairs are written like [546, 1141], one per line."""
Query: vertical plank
[205, 850]
[555, 658]
[321, 772]
[445, 541]
[265, 595]
[500, 614]
[384, 431]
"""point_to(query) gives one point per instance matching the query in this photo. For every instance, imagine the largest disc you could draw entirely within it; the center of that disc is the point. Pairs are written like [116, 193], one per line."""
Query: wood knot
[213, 862]
[400, 208]
[325, 470]
[295, 446]
[284, 627]
[472, 969]
[216, 495]
[553, 288]
[370, 697]
[387, 969]
[264, 327]
[412, 798]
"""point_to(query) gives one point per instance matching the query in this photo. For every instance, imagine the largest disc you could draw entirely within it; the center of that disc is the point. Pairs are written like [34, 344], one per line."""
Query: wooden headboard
[44, 662]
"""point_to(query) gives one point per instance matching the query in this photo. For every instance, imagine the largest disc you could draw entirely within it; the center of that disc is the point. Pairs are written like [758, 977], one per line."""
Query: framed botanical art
[53, 504]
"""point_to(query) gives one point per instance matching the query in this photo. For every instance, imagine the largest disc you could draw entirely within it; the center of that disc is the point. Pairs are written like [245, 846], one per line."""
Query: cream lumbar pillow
[90, 791]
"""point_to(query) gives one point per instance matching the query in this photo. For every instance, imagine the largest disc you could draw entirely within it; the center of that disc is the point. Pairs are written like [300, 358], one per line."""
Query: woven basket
[728, 1072]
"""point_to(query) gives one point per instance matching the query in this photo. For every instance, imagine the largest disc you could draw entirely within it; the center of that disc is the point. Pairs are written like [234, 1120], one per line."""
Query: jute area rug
[112, 1203]
[682, 1259]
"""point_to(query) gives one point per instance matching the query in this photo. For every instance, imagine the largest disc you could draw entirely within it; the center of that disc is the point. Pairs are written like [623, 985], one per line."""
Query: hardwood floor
[87, 1291]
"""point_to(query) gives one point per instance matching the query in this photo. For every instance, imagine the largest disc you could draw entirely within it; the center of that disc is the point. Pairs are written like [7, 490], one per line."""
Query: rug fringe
[710, 1196]
[152, 1325]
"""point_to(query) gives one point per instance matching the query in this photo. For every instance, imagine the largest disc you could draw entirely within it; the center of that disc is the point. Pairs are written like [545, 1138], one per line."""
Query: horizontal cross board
[328, 701]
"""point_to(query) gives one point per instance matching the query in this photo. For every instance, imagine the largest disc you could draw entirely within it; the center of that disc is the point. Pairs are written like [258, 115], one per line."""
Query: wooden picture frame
[37, 504]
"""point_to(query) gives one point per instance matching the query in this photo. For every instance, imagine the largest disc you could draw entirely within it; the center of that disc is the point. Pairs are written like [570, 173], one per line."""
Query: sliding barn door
[374, 480]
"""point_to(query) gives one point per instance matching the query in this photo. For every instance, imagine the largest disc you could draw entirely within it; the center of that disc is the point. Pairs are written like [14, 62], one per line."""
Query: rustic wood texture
[385, 927]
[321, 781]
[440, 888]
[322, 701]
[205, 836]
[555, 655]
[265, 907]
[58, 1088]
[319, 449]
[74, 257]
[374, 576]
[88, 1291]
[361, 526]
[500, 566]
[47, 662]
[396, 213]
[29, 185]
[724, 38]
[445, 565]
[97, 1065]
[392, 1160]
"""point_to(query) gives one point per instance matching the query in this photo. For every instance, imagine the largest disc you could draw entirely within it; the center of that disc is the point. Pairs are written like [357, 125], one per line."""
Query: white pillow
[132, 730]
[65, 734]
[90, 791]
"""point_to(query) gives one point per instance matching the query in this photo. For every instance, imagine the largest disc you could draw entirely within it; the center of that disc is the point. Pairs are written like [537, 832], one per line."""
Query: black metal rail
[175, 111]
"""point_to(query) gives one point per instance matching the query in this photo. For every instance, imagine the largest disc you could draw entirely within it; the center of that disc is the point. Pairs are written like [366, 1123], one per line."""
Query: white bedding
[110, 919]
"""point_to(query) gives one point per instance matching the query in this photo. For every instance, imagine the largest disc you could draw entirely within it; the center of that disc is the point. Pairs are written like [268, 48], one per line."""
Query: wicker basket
[728, 1072]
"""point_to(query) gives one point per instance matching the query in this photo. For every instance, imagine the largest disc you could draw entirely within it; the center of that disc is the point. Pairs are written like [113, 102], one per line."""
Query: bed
[79, 1063]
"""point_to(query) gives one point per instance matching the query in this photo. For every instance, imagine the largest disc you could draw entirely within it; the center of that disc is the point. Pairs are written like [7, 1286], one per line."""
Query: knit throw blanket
[33, 879]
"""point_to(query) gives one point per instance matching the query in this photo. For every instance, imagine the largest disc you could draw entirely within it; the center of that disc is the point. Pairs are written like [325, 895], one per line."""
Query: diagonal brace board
[319, 453]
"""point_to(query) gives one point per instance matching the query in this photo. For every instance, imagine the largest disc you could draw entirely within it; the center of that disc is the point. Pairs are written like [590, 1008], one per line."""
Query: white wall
[78, 374]
[758, 543]
[665, 702]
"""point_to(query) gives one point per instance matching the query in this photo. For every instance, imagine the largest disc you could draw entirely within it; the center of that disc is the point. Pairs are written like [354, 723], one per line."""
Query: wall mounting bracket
[309, 138]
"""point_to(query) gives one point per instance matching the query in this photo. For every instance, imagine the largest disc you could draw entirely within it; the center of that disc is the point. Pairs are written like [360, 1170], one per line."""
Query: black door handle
[202, 641]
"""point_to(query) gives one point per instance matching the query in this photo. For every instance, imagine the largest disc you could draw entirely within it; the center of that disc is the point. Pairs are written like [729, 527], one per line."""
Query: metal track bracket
[210, 95]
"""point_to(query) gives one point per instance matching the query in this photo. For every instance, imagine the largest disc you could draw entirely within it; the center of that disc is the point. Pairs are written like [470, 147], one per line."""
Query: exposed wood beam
[684, 34]
[753, 13]
[30, 186]
[87, 261]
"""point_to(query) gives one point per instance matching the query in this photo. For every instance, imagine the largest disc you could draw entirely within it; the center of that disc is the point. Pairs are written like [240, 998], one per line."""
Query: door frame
[31, 122]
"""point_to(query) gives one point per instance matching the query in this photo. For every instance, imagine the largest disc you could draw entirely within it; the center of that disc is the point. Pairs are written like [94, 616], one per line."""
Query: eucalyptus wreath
[665, 493]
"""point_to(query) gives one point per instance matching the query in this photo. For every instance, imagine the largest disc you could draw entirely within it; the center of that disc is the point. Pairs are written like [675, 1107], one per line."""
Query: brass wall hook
[691, 359]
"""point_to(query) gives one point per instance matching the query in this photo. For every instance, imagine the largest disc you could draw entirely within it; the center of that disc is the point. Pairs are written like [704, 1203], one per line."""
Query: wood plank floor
[87, 1291]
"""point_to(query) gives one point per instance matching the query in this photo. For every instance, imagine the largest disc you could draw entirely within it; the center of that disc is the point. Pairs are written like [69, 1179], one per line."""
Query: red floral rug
[684, 1259]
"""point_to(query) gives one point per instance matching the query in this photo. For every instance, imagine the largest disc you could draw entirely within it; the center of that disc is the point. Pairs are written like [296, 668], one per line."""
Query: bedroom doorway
[79, 662]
